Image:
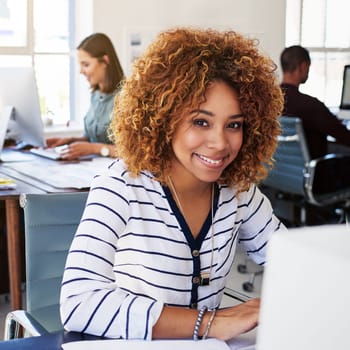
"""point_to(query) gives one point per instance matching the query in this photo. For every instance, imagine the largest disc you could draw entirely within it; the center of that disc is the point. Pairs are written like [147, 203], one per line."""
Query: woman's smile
[211, 162]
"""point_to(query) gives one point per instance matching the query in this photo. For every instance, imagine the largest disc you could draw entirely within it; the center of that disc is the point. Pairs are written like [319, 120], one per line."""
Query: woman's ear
[105, 59]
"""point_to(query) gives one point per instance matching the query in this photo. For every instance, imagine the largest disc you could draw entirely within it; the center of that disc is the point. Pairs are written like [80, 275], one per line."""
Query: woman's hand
[233, 321]
[228, 323]
[57, 141]
[79, 149]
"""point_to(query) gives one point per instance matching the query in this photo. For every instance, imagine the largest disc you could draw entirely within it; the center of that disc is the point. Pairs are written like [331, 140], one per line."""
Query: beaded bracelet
[209, 324]
[201, 313]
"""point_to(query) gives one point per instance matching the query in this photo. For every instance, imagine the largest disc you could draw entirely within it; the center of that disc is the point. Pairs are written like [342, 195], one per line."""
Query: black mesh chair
[320, 183]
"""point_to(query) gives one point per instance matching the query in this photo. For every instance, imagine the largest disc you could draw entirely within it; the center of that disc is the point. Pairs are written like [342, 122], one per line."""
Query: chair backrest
[50, 222]
[290, 158]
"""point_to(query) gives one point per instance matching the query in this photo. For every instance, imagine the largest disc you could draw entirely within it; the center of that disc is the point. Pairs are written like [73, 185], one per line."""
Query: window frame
[28, 50]
[294, 36]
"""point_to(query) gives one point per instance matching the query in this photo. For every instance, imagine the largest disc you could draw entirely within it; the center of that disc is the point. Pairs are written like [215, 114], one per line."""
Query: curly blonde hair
[172, 76]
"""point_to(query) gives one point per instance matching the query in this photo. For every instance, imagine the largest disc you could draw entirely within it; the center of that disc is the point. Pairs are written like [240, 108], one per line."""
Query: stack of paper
[7, 184]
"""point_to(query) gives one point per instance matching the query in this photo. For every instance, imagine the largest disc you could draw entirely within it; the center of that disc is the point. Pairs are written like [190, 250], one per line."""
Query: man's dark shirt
[317, 120]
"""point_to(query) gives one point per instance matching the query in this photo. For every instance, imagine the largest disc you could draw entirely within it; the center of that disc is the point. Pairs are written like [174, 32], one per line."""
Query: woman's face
[93, 68]
[209, 138]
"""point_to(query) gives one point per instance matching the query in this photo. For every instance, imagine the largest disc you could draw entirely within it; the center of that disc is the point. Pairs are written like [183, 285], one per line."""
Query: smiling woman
[194, 127]
[100, 65]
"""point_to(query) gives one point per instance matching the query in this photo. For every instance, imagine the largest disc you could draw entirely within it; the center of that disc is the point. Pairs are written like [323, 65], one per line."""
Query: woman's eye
[200, 122]
[235, 125]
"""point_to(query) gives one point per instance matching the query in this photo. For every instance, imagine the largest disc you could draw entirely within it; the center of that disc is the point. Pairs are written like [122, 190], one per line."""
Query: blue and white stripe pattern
[133, 253]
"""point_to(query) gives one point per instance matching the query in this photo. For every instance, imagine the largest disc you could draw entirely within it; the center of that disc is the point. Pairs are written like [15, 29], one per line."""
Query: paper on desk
[7, 184]
[208, 344]
[61, 174]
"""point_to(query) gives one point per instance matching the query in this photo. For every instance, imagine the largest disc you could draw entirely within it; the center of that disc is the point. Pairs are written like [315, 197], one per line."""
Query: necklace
[205, 276]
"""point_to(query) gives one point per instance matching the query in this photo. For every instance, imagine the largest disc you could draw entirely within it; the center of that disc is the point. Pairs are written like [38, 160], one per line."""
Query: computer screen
[18, 89]
[345, 97]
[305, 300]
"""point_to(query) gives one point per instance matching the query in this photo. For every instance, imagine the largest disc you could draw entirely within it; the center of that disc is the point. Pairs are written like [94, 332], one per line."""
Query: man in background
[318, 121]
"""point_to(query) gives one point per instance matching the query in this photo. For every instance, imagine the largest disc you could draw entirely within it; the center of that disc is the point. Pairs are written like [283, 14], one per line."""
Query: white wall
[263, 19]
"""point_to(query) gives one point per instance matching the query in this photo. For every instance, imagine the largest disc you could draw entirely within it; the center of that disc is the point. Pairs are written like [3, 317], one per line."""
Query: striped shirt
[133, 253]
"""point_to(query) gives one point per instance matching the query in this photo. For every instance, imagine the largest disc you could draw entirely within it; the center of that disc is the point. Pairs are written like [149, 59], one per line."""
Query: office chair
[50, 221]
[322, 182]
[304, 182]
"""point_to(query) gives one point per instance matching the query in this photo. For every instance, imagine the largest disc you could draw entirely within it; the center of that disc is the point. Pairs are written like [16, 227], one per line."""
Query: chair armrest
[289, 138]
[20, 318]
[326, 179]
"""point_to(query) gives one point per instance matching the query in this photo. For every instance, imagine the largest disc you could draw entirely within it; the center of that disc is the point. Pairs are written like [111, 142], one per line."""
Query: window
[321, 26]
[41, 33]
[13, 23]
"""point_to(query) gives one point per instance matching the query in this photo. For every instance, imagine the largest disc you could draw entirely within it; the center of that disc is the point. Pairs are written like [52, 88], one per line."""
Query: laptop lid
[305, 290]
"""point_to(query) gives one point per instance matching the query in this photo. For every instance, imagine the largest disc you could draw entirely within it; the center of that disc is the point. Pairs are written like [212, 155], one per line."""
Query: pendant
[205, 279]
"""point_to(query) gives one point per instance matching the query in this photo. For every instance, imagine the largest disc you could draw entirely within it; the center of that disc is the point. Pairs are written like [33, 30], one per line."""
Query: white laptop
[306, 290]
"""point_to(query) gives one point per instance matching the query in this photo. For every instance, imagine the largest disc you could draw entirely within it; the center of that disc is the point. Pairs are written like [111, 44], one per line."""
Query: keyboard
[50, 153]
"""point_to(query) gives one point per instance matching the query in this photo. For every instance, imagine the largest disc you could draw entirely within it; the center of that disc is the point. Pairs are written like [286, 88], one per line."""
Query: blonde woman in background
[100, 64]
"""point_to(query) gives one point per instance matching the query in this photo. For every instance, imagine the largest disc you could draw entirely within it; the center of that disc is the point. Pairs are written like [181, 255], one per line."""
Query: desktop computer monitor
[305, 300]
[344, 108]
[18, 90]
[345, 96]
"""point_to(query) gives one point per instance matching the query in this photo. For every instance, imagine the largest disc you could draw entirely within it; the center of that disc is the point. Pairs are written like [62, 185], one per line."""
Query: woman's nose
[217, 139]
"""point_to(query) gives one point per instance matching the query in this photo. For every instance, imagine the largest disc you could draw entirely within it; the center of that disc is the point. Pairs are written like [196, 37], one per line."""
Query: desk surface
[35, 174]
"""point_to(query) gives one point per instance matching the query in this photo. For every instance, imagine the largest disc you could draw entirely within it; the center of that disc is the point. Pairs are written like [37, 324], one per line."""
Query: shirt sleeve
[91, 301]
[258, 224]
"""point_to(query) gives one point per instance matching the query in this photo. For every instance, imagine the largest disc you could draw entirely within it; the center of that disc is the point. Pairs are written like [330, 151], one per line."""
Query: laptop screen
[305, 300]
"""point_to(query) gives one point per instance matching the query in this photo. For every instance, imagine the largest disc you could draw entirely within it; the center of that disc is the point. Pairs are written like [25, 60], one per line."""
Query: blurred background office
[45, 34]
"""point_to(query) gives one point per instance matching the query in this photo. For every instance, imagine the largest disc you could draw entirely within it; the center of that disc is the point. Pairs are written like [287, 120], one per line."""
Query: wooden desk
[30, 183]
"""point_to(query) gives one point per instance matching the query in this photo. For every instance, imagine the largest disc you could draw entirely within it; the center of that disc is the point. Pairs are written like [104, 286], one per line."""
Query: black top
[318, 121]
